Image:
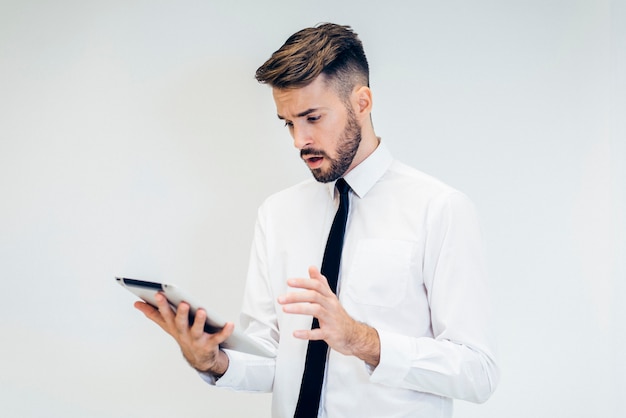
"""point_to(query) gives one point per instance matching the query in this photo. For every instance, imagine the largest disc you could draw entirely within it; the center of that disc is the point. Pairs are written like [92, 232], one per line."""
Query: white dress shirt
[411, 267]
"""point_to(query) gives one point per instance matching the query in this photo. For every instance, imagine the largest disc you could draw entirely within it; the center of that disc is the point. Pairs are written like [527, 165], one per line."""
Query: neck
[369, 143]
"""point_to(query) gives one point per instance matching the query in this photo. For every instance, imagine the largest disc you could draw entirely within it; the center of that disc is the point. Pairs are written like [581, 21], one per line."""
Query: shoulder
[416, 183]
[442, 205]
[293, 193]
[294, 198]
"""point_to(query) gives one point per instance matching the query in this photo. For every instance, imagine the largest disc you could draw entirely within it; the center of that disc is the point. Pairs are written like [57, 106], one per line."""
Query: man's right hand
[200, 349]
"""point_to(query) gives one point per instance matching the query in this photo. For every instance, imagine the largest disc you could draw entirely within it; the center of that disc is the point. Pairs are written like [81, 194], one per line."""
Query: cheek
[328, 140]
[330, 132]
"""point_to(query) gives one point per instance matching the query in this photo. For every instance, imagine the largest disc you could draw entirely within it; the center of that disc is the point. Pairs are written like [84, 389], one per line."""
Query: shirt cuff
[236, 371]
[392, 367]
[231, 377]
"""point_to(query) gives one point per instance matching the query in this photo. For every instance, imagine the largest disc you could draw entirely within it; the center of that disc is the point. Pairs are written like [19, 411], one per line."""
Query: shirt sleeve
[246, 372]
[459, 360]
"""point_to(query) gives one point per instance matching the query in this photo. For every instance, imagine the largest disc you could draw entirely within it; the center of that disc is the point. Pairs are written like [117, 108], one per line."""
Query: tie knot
[342, 187]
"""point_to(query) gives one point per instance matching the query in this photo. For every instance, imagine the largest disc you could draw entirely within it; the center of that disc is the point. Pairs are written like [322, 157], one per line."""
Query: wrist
[216, 368]
[366, 345]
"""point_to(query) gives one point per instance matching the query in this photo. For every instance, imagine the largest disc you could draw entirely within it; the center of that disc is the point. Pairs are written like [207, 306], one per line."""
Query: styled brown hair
[329, 49]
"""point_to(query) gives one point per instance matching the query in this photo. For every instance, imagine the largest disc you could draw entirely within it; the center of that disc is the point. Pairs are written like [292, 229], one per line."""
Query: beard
[347, 146]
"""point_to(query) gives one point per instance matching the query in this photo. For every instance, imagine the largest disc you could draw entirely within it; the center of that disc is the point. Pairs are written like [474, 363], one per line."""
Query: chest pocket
[381, 271]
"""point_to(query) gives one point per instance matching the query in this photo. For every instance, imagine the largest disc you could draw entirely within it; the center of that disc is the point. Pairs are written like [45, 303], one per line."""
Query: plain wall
[135, 141]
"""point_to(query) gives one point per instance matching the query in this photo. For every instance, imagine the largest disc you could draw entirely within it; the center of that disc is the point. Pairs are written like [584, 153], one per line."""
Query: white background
[135, 141]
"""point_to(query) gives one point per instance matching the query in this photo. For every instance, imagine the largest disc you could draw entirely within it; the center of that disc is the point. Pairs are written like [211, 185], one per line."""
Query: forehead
[317, 94]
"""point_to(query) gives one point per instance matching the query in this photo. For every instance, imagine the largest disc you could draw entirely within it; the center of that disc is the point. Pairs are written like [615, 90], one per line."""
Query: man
[407, 326]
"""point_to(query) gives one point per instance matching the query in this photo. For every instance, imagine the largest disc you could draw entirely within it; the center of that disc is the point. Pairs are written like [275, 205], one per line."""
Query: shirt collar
[365, 175]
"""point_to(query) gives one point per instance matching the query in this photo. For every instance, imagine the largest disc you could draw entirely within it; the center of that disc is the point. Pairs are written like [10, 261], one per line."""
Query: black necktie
[311, 387]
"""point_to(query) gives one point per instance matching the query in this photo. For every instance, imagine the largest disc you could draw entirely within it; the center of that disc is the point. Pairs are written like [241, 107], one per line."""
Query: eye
[313, 119]
[288, 124]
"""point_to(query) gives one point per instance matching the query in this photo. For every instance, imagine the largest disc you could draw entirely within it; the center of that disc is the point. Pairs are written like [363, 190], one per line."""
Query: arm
[458, 361]
[247, 372]
[228, 368]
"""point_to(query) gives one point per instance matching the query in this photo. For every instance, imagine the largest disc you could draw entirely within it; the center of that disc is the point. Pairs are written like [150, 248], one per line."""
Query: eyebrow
[301, 114]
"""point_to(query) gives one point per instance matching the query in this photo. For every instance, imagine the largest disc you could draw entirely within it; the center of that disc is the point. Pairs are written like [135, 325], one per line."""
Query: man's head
[320, 82]
[329, 49]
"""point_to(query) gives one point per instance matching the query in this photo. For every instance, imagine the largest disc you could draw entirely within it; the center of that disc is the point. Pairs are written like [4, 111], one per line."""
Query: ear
[362, 102]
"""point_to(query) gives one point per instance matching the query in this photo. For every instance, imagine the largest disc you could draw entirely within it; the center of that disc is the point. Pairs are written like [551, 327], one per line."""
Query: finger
[314, 284]
[312, 309]
[164, 307]
[310, 334]
[144, 307]
[197, 328]
[223, 334]
[149, 311]
[317, 276]
[314, 273]
[181, 320]
[307, 296]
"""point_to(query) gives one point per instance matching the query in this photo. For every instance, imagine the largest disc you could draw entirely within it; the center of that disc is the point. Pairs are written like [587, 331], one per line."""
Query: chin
[324, 176]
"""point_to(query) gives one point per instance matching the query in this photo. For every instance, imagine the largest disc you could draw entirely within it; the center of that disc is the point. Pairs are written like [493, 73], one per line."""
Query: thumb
[223, 334]
[227, 331]
[314, 273]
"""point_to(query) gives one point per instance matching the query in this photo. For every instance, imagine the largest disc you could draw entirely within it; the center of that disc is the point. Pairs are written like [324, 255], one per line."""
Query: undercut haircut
[329, 49]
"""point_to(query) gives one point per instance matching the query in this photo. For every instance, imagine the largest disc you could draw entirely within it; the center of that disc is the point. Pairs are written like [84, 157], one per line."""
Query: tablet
[238, 341]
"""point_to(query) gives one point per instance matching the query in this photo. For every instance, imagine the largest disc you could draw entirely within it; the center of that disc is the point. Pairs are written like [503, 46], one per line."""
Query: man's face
[323, 127]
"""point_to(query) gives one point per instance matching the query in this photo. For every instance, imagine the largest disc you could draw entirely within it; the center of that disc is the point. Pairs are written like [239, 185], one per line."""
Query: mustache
[310, 152]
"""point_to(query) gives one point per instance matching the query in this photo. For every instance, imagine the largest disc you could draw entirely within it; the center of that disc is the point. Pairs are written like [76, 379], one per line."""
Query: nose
[301, 137]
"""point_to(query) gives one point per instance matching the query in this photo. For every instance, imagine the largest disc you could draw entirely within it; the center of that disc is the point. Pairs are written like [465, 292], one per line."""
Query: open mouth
[312, 158]
[313, 161]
